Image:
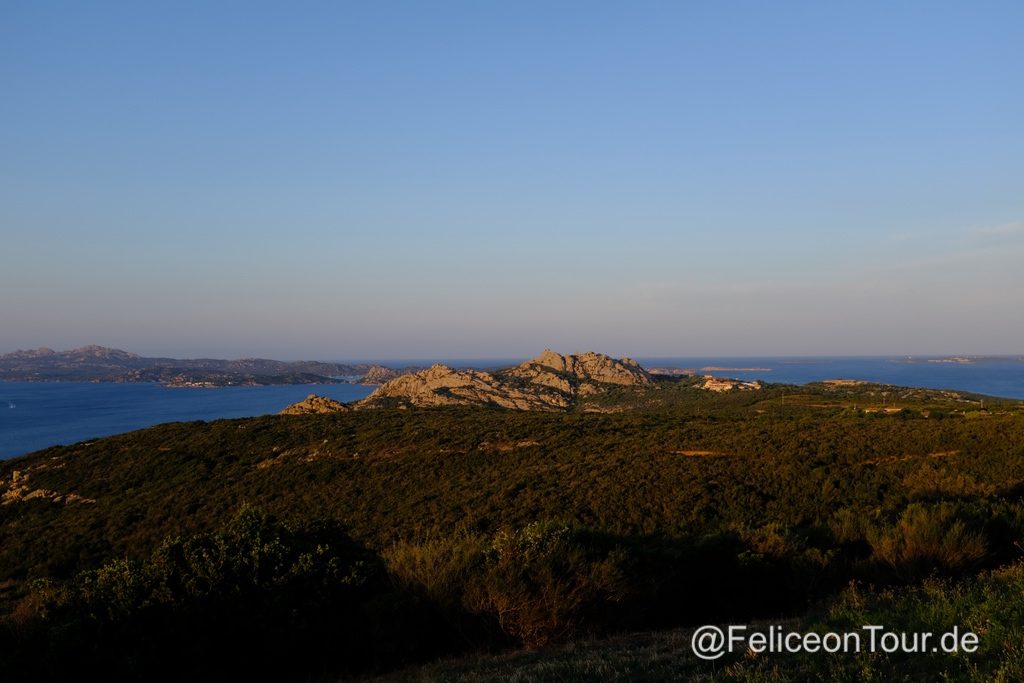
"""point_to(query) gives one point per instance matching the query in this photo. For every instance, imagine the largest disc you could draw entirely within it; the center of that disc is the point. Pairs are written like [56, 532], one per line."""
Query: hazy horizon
[456, 179]
[516, 358]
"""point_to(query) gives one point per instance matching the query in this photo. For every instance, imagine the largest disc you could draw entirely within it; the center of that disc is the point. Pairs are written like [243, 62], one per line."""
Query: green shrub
[253, 598]
[546, 582]
[928, 539]
[439, 567]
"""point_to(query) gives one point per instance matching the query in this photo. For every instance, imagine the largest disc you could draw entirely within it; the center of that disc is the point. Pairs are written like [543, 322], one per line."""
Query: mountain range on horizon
[104, 364]
[553, 380]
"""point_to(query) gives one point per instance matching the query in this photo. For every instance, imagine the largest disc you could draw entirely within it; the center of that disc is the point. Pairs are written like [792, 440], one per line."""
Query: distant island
[957, 360]
[103, 364]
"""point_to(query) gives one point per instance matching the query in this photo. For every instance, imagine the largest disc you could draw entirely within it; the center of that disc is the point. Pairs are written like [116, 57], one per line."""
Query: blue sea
[37, 415]
[992, 376]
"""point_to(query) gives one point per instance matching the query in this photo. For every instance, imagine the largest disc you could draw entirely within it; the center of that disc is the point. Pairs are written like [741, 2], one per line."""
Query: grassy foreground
[990, 605]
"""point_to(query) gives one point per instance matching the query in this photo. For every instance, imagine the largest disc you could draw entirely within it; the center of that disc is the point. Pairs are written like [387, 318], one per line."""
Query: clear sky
[483, 179]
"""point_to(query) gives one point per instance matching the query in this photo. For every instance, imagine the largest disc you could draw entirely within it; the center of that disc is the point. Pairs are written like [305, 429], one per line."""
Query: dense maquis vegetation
[362, 541]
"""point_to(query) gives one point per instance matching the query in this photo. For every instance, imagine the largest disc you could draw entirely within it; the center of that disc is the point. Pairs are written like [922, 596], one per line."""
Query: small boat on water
[10, 404]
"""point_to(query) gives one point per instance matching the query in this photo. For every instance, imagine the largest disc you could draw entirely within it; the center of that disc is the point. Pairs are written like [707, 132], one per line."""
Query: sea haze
[47, 414]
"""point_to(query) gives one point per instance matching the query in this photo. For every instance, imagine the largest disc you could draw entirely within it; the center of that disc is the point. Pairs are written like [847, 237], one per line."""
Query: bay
[35, 415]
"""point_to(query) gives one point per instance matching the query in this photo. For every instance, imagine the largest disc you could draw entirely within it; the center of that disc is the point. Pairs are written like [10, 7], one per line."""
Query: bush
[255, 598]
[440, 568]
[928, 539]
[548, 582]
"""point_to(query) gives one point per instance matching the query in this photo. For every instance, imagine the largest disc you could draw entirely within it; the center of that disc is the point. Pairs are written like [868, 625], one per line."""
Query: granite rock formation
[719, 384]
[550, 381]
[378, 374]
[314, 404]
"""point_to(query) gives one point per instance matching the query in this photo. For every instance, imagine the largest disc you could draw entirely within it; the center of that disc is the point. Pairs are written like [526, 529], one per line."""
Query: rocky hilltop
[719, 384]
[440, 385]
[580, 374]
[379, 374]
[314, 404]
[550, 381]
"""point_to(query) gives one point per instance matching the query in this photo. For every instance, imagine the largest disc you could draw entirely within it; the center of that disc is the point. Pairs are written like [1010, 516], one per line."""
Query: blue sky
[478, 179]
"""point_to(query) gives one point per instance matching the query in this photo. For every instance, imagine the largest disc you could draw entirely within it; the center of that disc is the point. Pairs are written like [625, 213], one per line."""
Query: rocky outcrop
[440, 385]
[550, 381]
[18, 490]
[718, 384]
[378, 374]
[564, 372]
[314, 404]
